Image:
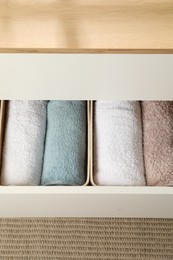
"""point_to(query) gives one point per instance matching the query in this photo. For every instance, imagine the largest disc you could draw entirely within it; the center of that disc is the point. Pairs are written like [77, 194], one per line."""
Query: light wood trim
[86, 26]
[85, 51]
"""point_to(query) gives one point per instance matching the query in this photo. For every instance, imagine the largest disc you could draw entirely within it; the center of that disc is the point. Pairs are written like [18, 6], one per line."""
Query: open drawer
[103, 77]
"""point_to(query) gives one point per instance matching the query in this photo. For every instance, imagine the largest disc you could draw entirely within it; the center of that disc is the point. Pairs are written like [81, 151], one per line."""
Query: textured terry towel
[65, 149]
[24, 143]
[118, 155]
[158, 142]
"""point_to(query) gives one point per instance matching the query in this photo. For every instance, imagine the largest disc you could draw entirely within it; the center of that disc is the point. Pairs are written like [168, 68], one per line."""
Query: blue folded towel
[65, 147]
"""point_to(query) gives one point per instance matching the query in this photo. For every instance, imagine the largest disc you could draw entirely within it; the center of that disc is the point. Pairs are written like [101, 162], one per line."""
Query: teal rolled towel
[65, 160]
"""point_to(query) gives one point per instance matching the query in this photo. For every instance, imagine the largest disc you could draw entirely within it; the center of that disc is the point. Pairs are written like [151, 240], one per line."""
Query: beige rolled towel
[158, 142]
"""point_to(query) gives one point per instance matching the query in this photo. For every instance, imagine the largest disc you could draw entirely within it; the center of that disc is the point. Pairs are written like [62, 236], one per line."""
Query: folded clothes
[24, 143]
[65, 148]
[118, 155]
[158, 142]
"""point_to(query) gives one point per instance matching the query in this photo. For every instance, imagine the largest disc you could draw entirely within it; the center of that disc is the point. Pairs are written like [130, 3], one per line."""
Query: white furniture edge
[136, 202]
[102, 76]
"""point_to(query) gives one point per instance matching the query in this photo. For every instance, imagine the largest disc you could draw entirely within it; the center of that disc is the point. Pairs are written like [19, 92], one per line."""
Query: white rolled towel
[24, 143]
[118, 153]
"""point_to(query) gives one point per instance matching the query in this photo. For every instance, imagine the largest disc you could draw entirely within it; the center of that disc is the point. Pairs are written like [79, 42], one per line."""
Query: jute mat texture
[86, 238]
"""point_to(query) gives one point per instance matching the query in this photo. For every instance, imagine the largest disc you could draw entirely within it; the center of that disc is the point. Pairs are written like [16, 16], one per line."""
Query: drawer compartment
[25, 139]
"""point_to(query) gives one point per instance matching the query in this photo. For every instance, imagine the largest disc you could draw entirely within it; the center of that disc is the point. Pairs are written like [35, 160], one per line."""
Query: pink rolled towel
[158, 142]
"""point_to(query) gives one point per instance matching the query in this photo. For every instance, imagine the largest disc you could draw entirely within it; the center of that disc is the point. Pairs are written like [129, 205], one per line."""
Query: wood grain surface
[86, 26]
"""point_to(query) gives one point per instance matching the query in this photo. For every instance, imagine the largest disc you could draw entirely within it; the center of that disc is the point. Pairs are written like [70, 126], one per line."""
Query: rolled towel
[158, 142]
[65, 149]
[24, 143]
[118, 155]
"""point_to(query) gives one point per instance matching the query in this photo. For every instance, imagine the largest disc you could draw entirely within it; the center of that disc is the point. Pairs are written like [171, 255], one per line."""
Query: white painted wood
[81, 76]
[86, 77]
[150, 202]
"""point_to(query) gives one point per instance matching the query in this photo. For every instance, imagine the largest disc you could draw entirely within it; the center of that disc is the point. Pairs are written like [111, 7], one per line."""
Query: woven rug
[90, 238]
